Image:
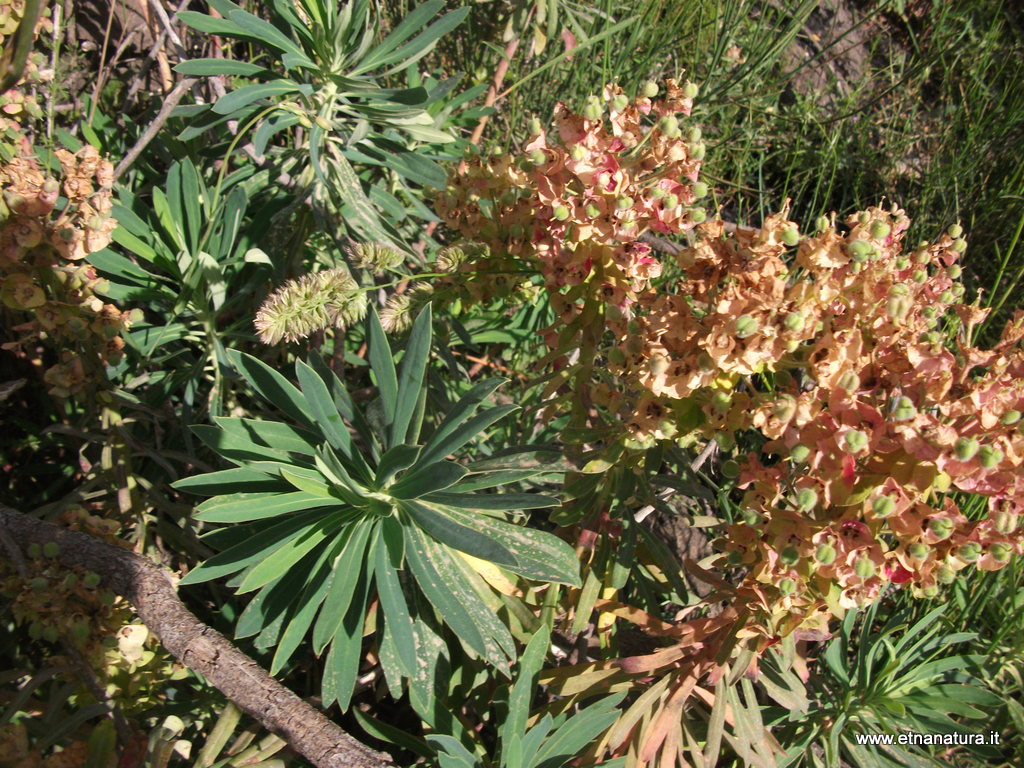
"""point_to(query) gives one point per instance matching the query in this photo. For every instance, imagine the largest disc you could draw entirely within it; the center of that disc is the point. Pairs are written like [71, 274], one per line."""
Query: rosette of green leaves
[328, 513]
[322, 73]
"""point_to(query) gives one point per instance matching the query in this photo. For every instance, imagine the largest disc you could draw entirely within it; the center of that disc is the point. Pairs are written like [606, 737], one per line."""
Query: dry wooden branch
[202, 649]
[154, 128]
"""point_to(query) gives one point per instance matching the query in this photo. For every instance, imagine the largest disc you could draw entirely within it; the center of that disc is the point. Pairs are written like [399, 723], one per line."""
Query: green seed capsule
[649, 89]
[694, 134]
[954, 231]
[750, 517]
[592, 211]
[880, 230]
[577, 153]
[849, 381]
[39, 584]
[918, 550]
[902, 262]
[51, 549]
[864, 568]
[947, 297]
[620, 102]
[945, 574]
[898, 306]
[670, 202]
[969, 552]
[35, 630]
[734, 559]
[863, 217]
[700, 189]
[561, 212]
[623, 202]
[787, 587]
[822, 224]
[919, 276]
[34, 551]
[794, 322]
[669, 124]
[860, 250]
[806, 499]
[697, 151]
[1006, 521]
[825, 554]
[790, 236]
[745, 326]
[107, 597]
[91, 580]
[966, 448]
[954, 272]
[903, 409]
[538, 157]
[535, 127]
[1010, 418]
[799, 453]
[940, 527]
[592, 110]
[855, 441]
[616, 356]
[930, 591]
[989, 456]
[721, 402]
[690, 90]
[51, 634]
[883, 506]
[789, 555]
[959, 245]
[1001, 552]
[698, 215]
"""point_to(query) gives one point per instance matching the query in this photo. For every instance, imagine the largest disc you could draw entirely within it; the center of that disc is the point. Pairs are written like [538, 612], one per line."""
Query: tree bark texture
[202, 649]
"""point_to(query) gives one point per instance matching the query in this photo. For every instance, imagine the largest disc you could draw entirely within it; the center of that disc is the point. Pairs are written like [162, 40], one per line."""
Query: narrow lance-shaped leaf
[427, 479]
[354, 416]
[273, 387]
[245, 507]
[432, 450]
[382, 365]
[410, 25]
[387, 563]
[462, 537]
[514, 727]
[252, 549]
[321, 578]
[346, 576]
[321, 405]
[410, 379]
[267, 33]
[449, 595]
[273, 434]
[247, 94]
[278, 562]
[342, 665]
[538, 555]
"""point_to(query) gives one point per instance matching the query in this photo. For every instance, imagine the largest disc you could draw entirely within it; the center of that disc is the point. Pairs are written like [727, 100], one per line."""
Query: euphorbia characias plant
[824, 354]
[328, 514]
